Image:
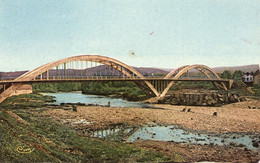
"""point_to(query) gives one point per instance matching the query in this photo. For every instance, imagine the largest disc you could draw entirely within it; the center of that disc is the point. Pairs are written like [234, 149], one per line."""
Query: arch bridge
[86, 68]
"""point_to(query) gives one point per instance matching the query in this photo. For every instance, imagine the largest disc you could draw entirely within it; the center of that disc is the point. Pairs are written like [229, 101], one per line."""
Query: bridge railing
[78, 77]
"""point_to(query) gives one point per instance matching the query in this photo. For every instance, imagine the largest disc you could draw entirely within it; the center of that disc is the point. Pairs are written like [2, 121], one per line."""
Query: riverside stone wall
[201, 99]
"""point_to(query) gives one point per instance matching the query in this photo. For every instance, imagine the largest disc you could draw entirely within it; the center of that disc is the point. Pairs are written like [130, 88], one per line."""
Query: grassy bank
[26, 100]
[31, 137]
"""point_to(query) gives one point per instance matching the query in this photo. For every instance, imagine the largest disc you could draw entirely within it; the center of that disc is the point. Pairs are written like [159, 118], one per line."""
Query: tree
[257, 72]
[237, 75]
[226, 74]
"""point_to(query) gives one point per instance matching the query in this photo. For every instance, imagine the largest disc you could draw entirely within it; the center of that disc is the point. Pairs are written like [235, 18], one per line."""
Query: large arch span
[43, 72]
[120, 66]
[80, 67]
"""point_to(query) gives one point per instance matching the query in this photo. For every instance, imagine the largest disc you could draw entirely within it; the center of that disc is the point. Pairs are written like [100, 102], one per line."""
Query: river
[75, 97]
[157, 132]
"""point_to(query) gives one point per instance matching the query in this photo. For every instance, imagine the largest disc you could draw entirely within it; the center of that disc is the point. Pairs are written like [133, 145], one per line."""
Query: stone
[255, 144]
[74, 108]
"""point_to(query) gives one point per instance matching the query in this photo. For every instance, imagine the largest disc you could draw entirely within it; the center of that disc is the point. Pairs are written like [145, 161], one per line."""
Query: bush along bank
[56, 87]
[126, 90]
[26, 100]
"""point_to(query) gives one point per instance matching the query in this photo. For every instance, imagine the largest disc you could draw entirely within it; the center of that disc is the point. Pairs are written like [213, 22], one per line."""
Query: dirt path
[230, 118]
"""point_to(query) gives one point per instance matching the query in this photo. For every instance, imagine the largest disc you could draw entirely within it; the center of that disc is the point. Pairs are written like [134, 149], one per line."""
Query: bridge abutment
[16, 89]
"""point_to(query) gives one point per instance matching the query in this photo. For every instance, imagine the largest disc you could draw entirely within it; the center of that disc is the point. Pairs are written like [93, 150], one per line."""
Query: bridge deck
[110, 79]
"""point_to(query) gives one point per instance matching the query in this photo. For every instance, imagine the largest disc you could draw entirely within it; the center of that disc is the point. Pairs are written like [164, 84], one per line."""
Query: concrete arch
[175, 71]
[95, 58]
[201, 68]
[181, 70]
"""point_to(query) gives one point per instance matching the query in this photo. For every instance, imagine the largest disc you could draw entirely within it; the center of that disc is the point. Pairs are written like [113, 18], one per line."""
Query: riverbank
[26, 136]
[42, 120]
[201, 153]
[230, 118]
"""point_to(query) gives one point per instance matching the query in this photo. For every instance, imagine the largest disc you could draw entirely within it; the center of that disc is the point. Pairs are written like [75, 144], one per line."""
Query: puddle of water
[176, 134]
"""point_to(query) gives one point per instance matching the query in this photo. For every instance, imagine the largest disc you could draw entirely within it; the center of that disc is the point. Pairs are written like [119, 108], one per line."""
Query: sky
[161, 33]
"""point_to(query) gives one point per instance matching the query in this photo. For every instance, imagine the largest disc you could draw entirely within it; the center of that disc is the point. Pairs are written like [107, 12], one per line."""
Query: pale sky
[162, 33]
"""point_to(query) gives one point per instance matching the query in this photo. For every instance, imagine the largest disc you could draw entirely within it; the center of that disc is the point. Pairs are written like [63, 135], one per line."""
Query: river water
[158, 132]
[75, 97]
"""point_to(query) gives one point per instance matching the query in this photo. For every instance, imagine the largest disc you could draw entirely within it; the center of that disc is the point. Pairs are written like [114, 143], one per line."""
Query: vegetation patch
[26, 100]
[41, 139]
[126, 90]
[256, 90]
[56, 87]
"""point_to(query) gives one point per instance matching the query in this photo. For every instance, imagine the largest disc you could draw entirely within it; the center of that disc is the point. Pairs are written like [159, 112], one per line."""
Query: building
[248, 79]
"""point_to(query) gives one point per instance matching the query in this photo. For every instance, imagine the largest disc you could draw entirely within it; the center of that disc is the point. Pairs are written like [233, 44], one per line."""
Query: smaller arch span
[176, 74]
[181, 70]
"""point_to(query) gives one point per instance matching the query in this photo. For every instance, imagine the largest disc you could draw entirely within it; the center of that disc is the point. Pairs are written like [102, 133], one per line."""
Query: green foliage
[256, 89]
[52, 142]
[127, 90]
[56, 87]
[237, 75]
[26, 100]
[193, 85]
[226, 75]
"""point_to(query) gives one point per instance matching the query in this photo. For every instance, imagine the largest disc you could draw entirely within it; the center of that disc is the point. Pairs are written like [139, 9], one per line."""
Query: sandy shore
[230, 118]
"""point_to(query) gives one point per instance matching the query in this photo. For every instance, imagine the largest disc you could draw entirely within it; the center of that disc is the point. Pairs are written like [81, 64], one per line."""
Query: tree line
[237, 75]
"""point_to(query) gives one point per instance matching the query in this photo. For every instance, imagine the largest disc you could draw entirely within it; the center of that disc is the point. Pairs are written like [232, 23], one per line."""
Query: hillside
[11, 75]
[150, 70]
[245, 68]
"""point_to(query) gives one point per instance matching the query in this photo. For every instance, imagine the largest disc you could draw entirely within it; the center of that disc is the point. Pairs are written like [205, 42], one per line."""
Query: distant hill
[149, 71]
[11, 75]
[94, 71]
[246, 68]
[146, 71]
